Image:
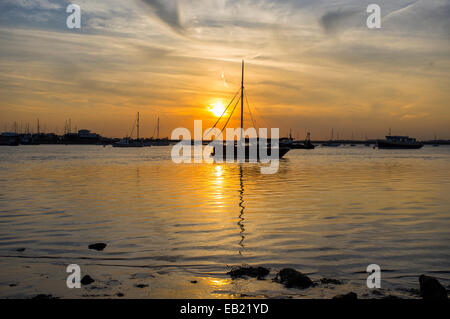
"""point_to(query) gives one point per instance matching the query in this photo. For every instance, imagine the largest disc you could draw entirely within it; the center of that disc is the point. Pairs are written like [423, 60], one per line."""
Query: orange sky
[310, 66]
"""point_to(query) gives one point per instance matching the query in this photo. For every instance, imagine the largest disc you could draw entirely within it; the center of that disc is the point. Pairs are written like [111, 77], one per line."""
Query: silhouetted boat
[128, 142]
[435, 144]
[331, 143]
[9, 139]
[248, 147]
[306, 145]
[159, 141]
[82, 137]
[399, 142]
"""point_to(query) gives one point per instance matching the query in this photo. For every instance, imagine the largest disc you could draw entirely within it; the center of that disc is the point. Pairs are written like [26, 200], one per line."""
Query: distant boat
[82, 137]
[282, 148]
[352, 143]
[331, 143]
[367, 143]
[306, 145]
[435, 144]
[128, 142]
[399, 142]
[27, 139]
[158, 141]
[9, 139]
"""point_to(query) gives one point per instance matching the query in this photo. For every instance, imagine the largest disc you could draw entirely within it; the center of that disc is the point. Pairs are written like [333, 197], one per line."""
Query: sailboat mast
[157, 130]
[138, 126]
[242, 98]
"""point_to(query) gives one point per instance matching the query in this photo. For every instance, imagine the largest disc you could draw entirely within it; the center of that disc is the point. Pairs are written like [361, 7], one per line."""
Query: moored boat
[306, 145]
[128, 142]
[331, 142]
[249, 153]
[399, 142]
[159, 141]
[9, 139]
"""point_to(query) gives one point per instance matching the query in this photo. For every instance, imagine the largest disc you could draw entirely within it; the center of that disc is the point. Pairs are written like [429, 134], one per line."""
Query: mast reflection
[242, 209]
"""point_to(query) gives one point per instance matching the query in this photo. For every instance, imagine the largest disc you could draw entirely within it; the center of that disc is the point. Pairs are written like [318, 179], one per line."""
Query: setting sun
[217, 108]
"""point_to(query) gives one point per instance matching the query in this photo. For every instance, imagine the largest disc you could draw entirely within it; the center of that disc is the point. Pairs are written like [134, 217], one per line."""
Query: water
[329, 212]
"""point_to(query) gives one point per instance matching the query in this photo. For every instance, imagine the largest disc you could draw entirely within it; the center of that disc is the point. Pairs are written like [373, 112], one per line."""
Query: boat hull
[281, 152]
[302, 146]
[381, 144]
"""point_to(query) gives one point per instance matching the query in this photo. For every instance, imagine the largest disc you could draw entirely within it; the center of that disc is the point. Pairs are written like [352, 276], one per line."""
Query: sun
[217, 108]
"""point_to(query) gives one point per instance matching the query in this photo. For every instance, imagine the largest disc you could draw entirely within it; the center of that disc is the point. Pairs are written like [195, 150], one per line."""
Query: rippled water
[328, 212]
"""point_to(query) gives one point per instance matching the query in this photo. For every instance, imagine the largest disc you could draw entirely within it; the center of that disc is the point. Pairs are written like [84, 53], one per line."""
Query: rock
[20, 250]
[97, 246]
[350, 296]
[430, 288]
[239, 272]
[292, 278]
[411, 291]
[141, 285]
[330, 281]
[377, 292]
[87, 280]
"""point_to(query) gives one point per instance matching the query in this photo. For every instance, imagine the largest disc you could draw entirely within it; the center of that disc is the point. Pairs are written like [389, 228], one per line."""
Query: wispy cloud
[167, 11]
[334, 21]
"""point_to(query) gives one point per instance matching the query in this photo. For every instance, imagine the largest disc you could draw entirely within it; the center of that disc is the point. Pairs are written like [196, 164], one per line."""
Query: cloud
[430, 17]
[167, 11]
[334, 21]
[33, 4]
[174, 56]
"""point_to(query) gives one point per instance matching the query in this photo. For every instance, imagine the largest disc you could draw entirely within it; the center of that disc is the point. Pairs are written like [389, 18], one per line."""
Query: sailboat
[158, 141]
[435, 144]
[128, 142]
[282, 148]
[306, 145]
[352, 143]
[331, 143]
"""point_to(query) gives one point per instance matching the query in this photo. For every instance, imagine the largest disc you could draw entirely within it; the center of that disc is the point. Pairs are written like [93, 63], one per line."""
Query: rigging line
[248, 107]
[132, 130]
[223, 112]
[154, 132]
[263, 121]
[229, 117]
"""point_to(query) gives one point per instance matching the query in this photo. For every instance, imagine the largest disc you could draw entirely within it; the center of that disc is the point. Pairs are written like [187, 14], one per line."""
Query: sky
[311, 65]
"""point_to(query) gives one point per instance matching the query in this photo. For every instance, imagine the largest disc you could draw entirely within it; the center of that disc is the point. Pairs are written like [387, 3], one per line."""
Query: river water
[175, 230]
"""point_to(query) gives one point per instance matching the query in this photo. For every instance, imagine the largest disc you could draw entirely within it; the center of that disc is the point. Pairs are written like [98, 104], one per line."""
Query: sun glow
[217, 108]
